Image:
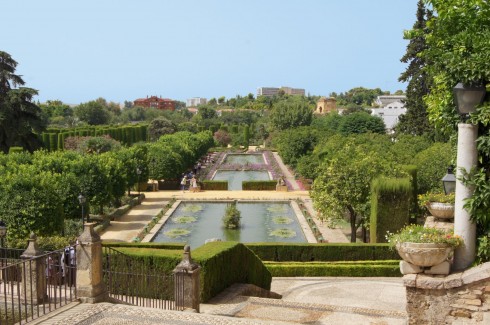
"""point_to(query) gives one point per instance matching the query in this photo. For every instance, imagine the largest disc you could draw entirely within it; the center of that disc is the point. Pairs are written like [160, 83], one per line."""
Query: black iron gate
[131, 281]
[30, 288]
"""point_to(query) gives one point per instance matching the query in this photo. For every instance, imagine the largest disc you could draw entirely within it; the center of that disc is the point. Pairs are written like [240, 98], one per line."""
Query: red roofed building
[156, 102]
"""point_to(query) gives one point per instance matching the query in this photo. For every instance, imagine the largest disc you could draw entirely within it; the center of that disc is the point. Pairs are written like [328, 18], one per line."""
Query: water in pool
[194, 222]
[236, 177]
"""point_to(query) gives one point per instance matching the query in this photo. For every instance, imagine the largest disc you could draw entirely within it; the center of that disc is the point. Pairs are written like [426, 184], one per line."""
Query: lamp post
[138, 172]
[82, 201]
[466, 99]
[449, 181]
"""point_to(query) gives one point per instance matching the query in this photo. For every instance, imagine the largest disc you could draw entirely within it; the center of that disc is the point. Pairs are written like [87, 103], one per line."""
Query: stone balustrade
[460, 298]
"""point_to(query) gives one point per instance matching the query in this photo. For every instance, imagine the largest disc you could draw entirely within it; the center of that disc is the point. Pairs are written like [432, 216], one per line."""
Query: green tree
[361, 122]
[290, 114]
[20, 118]
[160, 126]
[292, 144]
[93, 113]
[415, 120]
[458, 50]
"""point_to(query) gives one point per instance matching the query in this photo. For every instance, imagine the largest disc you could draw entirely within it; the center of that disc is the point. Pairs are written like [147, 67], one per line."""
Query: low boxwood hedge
[214, 185]
[285, 252]
[222, 263]
[259, 185]
[388, 268]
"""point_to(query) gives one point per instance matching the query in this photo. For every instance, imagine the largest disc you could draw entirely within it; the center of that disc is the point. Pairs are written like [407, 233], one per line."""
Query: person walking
[183, 182]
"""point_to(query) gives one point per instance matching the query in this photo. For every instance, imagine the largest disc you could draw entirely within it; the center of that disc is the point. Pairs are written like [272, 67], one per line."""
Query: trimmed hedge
[222, 263]
[214, 185]
[226, 263]
[259, 185]
[388, 268]
[390, 206]
[285, 252]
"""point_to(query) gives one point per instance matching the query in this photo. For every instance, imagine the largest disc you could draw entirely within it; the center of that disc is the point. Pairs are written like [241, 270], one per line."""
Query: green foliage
[415, 121]
[361, 122]
[389, 268]
[231, 219]
[15, 149]
[358, 97]
[226, 263]
[322, 252]
[98, 145]
[214, 185]
[30, 202]
[160, 126]
[344, 180]
[390, 206]
[292, 144]
[290, 114]
[428, 197]
[259, 185]
[20, 117]
[93, 113]
[432, 165]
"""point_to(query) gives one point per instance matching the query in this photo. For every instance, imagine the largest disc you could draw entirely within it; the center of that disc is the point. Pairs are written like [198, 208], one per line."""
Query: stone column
[186, 282]
[463, 226]
[90, 286]
[34, 273]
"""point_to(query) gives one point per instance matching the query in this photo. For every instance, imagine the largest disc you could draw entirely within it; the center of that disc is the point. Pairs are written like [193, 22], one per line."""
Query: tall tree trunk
[353, 226]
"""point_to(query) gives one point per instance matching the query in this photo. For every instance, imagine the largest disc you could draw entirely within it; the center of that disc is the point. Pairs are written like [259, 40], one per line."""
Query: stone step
[277, 310]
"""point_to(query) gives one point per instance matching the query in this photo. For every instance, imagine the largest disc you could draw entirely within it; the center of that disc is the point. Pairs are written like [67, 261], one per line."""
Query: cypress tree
[415, 121]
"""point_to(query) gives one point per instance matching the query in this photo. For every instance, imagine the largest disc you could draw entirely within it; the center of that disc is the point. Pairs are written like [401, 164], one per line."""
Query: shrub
[259, 185]
[390, 206]
[215, 185]
[231, 219]
[322, 252]
[388, 268]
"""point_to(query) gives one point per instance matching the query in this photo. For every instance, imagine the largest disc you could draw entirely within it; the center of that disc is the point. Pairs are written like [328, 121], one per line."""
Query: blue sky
[77, 51]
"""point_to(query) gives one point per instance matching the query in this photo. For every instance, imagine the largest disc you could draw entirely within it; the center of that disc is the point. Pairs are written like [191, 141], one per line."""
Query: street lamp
[449, 181]
[138, 172]
[466, 98]
[82, 201]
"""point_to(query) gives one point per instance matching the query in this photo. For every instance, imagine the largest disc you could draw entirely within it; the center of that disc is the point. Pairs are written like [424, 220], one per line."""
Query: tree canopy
[20, 117]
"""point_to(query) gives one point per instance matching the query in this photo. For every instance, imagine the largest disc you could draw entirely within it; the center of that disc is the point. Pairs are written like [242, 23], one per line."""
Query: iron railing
[132, 281]
[32, 287]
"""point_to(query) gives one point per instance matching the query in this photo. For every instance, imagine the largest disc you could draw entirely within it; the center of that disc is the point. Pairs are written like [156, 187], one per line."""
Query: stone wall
[460, 298]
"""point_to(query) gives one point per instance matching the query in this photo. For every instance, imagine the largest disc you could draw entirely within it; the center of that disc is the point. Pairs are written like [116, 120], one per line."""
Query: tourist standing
[183, 182]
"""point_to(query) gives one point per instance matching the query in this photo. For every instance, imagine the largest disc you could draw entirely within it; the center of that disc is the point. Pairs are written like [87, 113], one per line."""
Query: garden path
[132, 223]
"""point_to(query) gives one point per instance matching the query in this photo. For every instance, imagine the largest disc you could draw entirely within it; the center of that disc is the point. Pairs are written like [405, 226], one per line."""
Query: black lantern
[449, 181]
[138, 172]
[468, 97]
[82, 201]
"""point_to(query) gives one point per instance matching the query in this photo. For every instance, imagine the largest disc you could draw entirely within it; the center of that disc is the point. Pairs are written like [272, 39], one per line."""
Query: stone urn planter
[424, 254]
[441, 210]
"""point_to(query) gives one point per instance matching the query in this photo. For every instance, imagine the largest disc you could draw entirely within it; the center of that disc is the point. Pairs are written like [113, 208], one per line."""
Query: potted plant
[423, 246]
[440, 205]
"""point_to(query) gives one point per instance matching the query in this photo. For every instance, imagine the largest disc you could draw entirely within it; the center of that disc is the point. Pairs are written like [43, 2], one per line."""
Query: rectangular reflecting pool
[236, 177]
[244, 158]
[195, 222]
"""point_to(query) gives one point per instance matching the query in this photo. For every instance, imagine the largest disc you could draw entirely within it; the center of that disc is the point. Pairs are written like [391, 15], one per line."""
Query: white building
[390, 114]
[267, 91]
[194, 102]
[384, 100]
[271, 91]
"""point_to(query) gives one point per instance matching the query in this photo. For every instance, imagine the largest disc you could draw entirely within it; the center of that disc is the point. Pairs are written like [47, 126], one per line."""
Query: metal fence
[132, 281]
[32, 287]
